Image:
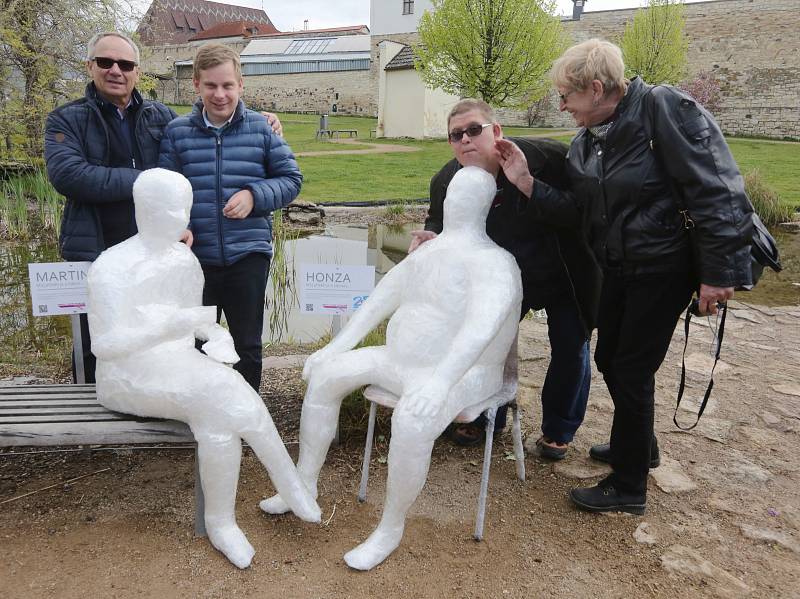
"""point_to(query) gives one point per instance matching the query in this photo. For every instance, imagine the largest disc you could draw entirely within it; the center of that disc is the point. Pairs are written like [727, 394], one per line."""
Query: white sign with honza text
[334, 288]
[58, 287]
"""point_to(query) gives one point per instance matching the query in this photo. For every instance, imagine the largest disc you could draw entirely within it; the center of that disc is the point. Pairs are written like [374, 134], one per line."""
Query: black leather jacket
[663, 153]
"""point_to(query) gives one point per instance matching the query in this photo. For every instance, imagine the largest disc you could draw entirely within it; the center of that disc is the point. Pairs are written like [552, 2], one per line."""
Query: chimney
[577, 9]
[305, 25]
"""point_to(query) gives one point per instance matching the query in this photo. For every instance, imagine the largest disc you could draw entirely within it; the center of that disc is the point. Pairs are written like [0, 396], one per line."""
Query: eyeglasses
[563, 97]
[106, 63]
[472, 131]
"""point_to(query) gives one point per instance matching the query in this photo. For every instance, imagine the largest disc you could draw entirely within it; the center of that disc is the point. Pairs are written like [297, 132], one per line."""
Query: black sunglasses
[472, 131]
[106, 63]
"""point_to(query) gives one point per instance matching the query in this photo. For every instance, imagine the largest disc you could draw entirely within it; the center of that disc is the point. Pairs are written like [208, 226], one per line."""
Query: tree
[704, 88]
[654, 44]
[42, 53]
[496, 50]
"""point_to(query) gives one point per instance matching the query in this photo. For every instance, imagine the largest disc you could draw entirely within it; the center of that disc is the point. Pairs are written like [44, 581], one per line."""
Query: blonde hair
[468, 104]
[212, 55]
[583, 63]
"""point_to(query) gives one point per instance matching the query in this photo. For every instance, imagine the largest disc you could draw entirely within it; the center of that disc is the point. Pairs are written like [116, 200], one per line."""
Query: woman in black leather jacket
[647, 164]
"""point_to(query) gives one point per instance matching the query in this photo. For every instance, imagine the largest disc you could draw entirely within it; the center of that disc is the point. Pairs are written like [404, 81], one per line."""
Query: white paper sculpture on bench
[454, 306]
[145, 310]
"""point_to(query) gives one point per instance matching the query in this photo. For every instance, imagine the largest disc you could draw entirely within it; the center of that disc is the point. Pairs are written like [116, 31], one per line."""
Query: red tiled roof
[176, 21]
[239, 28]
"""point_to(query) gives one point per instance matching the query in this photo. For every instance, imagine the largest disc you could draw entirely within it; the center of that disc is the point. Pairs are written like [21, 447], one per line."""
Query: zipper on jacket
[219, 199]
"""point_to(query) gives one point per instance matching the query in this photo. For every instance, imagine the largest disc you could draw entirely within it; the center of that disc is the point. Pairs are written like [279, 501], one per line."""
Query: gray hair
[583, 63]
[97, 37]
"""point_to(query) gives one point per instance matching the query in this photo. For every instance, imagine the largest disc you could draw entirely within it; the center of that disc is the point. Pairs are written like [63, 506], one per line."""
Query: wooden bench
[350, 132]
[47, 415]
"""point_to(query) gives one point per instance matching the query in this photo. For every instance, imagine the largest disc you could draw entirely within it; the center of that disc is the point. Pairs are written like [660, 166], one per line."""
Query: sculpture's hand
[187, 238]
[418, 238]
[425, 401]
[221, 349]
[317, 358]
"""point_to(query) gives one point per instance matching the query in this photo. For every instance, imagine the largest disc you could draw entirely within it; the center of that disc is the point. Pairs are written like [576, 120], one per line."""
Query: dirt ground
[722, 520]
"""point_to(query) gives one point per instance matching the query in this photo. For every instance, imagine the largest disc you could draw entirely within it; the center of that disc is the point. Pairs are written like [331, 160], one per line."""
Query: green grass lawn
[406, 176]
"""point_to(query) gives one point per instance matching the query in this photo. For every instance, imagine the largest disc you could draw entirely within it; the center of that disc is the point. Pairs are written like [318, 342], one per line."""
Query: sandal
[550, 449]
[466, 434]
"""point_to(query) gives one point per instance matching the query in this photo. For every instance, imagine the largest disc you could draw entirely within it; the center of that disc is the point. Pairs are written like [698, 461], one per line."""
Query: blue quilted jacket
[245, 154]
[76, 149]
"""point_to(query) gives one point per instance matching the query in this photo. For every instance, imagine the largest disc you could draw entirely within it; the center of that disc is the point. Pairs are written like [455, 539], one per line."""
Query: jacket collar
[198, 120]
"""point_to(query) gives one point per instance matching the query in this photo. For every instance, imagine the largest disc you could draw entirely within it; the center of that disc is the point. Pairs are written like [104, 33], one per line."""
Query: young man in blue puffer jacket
[240, 172]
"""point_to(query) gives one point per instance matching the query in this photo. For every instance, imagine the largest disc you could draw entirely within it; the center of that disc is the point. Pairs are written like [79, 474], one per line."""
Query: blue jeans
[566, 385]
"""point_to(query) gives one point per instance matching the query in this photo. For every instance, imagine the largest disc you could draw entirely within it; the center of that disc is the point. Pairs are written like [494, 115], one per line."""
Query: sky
[288, 15]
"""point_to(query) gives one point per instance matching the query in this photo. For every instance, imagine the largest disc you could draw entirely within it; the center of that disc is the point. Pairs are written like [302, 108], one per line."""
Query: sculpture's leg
[268, 446]
[409, 459]
[328, 385]
[220, 456]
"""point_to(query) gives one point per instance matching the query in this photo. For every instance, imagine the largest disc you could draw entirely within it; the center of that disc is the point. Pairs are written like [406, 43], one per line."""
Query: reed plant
[766, 201]
[15, 208]
[281, 278]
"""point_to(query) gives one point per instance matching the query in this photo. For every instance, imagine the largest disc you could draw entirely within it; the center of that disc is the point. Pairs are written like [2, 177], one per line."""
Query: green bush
[767, 203]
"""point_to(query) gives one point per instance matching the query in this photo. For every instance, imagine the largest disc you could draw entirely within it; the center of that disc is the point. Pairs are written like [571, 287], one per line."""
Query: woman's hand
[710, 296]
[515, 166]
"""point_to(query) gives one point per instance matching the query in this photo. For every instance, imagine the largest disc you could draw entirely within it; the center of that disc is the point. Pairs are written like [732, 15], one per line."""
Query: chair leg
[362, 489]
[199, 499]
[516, 434]
[487, 463]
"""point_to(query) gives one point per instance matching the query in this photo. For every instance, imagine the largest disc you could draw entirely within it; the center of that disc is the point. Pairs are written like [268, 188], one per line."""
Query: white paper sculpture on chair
[145, 311]
[454, 306]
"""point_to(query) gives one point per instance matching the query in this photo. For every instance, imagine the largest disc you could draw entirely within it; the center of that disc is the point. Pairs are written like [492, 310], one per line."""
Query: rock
[748, 315]
[277, 362]
[770, 419]
[580, 469]
[791, 227]
[770, 536]
[682, 560]
[671, 478]
[702, 363]
[305, 213]
[788, 389]
[715, 429]
[759, 346]
[643, 535]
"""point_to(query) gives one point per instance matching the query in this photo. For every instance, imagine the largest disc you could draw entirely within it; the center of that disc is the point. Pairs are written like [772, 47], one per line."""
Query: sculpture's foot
[274, 505]
[374, 550]
[230, 540]
[305, 508]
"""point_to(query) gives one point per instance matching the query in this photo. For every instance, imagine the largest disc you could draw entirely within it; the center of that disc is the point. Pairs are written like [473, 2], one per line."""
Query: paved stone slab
[684, 561]
[671, 478]
[643, 534]
[581, 468]
[770, 536]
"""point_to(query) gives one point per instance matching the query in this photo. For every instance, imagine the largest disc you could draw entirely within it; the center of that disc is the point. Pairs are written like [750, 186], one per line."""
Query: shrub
[767, 203]
[704, 88]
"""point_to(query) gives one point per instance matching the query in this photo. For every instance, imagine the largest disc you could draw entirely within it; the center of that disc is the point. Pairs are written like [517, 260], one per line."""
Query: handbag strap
[720, 333]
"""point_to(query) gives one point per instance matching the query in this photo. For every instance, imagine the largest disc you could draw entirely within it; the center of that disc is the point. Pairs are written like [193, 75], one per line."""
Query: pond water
[378, 245]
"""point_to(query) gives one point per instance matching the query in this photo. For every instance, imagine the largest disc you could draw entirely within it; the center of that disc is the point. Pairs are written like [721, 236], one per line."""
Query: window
[309, 46]
[408, 7]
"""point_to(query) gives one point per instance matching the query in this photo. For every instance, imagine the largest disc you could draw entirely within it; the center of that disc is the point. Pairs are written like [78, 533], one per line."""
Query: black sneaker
[602, 453]
[605, 498]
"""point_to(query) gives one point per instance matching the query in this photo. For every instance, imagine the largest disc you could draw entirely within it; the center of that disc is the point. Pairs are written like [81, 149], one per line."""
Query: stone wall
[301, 92]
[751, 46]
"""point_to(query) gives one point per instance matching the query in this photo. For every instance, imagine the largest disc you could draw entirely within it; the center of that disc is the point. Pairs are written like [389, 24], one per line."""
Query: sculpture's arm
[144, 328]
[492, 299]
[381, 303]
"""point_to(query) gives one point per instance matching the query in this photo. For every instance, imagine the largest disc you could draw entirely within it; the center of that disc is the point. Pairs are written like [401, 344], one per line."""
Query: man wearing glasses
[558, 271]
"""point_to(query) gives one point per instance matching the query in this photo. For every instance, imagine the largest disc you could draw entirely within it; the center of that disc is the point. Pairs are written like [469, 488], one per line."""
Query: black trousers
[239, 290]
[636, 320]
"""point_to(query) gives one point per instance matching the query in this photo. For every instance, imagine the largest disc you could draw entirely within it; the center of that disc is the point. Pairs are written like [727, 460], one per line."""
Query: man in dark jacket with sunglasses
[95, 147]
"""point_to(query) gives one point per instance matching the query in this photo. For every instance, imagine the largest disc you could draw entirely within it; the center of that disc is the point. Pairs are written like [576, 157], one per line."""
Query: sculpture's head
[163, 201]
[469, 197]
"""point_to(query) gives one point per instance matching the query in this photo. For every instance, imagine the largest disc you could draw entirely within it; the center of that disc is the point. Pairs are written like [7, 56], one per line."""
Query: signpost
[60, 288]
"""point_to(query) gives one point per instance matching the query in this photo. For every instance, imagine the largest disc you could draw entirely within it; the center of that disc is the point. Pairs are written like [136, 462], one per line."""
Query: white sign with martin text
[58, 287]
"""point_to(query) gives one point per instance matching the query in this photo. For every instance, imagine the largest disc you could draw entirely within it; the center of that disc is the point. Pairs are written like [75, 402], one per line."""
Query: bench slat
[48, 402]
[49, 397]
[22, 410]
[94, 433]
[39, 389]
[67, 417]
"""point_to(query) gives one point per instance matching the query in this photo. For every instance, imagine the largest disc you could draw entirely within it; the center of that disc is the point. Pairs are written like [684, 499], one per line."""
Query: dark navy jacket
[77, 153]
[244, 154]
